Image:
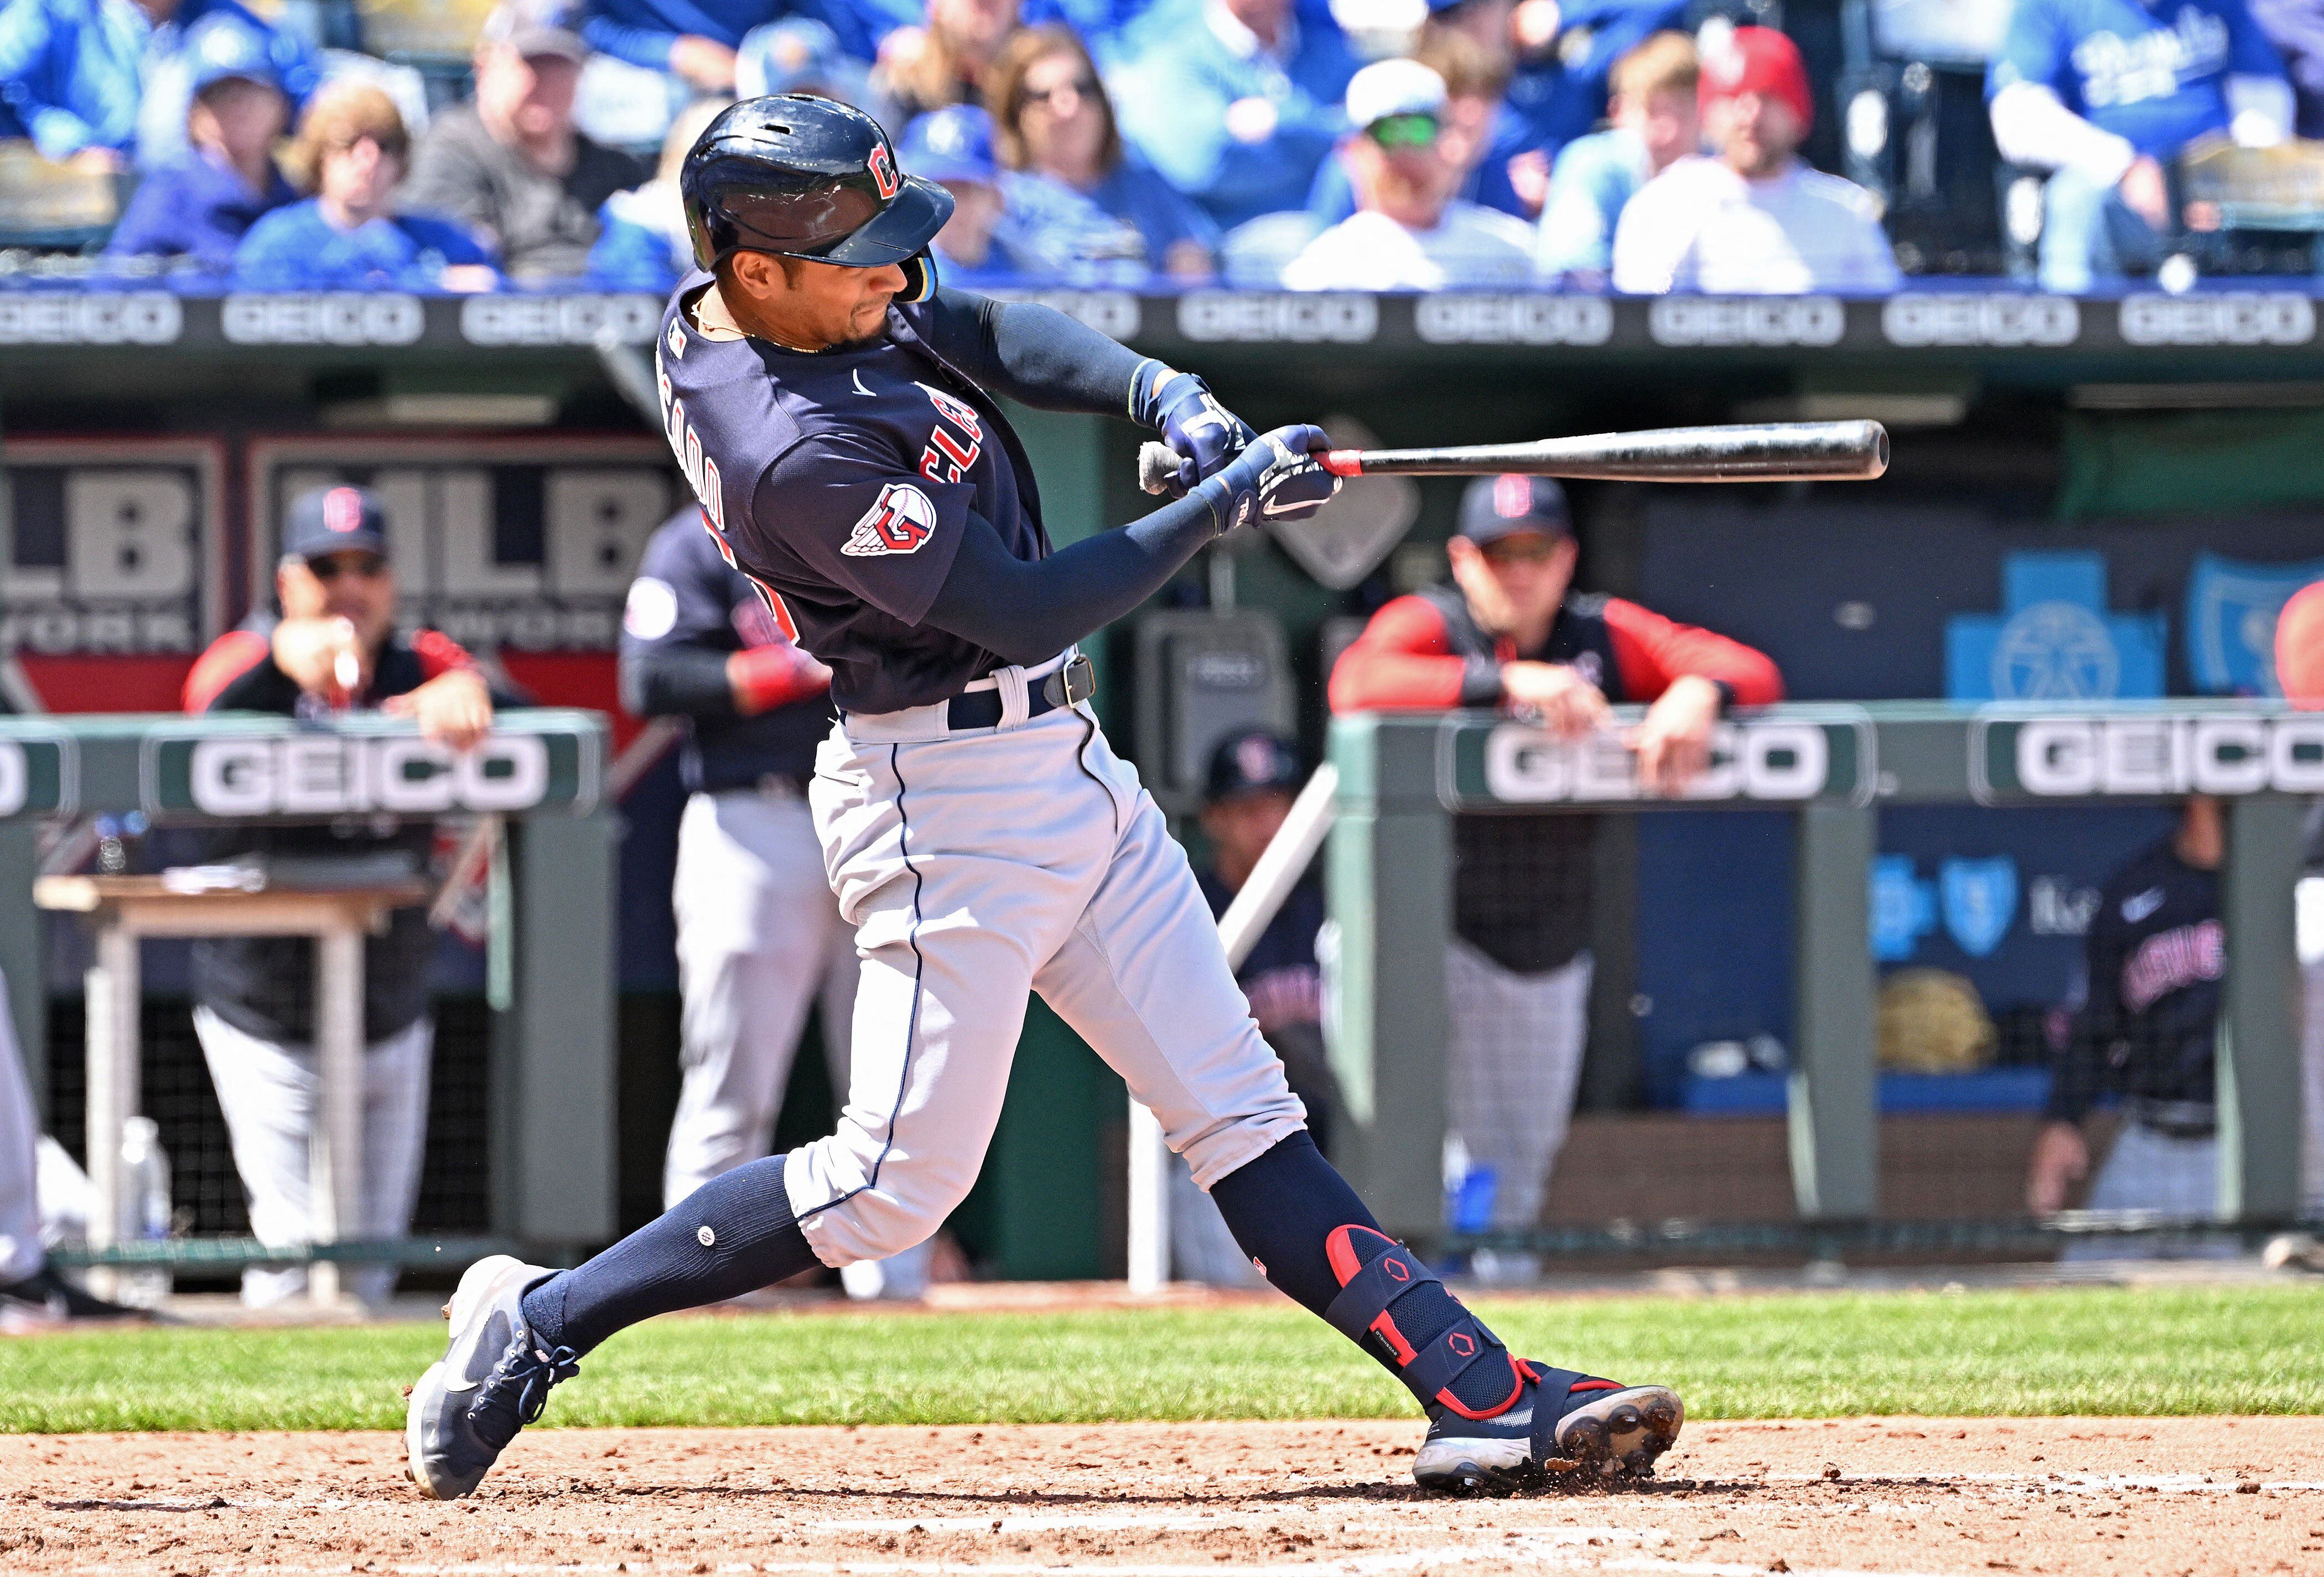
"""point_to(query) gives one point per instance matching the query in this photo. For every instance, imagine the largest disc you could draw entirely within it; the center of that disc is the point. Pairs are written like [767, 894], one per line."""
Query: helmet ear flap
[919, 277]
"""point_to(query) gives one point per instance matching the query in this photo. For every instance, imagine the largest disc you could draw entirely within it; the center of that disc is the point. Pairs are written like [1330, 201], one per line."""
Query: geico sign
[330, 775]
[1746, 321]
[2079, 756]
[100, 317]
[1752, 760]
[1528, 319]
[2231, 318]
[1970, 319]
[339, 317]
[559, 319]
[1302, 320]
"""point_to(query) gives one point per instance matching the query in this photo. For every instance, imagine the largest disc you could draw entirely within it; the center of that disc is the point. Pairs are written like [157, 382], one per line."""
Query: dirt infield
[1976, 1496]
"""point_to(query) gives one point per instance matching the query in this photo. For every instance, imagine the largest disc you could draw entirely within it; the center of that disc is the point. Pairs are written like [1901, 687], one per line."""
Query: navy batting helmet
[801, 176]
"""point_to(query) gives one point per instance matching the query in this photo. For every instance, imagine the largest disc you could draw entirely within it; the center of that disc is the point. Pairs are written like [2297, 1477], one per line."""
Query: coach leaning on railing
[333, 648]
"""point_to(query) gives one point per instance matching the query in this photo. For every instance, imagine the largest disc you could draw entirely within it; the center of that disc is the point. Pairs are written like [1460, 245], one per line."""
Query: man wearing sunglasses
[1408, 232]
[333, 648]
[1510, 632]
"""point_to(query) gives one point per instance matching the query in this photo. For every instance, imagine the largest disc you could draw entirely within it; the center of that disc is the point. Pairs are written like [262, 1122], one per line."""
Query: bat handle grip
[1344, 462]
[1156, 462]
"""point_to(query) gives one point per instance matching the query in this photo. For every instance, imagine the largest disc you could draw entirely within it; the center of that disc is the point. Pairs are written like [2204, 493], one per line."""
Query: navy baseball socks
[1495, 1421]
[519, 1329]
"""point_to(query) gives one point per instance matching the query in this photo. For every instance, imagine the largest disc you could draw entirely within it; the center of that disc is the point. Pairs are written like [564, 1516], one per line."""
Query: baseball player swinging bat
[1781, 451]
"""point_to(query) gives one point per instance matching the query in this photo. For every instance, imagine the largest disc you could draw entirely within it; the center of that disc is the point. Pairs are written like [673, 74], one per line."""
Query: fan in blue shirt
[201, 204]
[70, 75]
[1236, 102]
[1078, 206]
[351, 151]
[953, 148]
[170, 66]
[2103, 92]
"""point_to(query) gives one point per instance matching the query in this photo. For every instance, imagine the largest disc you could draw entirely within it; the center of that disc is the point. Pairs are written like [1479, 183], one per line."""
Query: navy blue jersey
[841, 481]
[688, 611]
[1280, 977]
[2157, 953]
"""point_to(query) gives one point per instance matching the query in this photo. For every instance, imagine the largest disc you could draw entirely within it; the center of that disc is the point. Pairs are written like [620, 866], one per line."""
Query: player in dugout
[1509, 631]
[759, 938]
[333, 649]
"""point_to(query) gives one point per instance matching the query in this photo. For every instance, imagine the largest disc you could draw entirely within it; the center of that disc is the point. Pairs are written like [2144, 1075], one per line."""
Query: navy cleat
[1495, 1421]
[492, 1381]
[1594, 1428]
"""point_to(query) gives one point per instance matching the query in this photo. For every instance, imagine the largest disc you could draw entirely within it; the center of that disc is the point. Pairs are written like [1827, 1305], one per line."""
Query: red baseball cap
[1761, 60]
[2299, 647]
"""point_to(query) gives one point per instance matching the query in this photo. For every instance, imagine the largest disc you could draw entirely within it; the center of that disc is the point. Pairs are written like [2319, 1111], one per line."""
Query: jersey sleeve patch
[900, 521]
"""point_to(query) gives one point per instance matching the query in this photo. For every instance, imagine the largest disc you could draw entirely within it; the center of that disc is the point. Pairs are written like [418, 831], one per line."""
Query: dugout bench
[550, 973]
[1390, 858]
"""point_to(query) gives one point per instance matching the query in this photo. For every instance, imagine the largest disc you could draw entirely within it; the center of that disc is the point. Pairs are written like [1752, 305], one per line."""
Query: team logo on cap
[343, 510]
[1512, 496]
[901, 521]
[1255, 759]
[883, 171]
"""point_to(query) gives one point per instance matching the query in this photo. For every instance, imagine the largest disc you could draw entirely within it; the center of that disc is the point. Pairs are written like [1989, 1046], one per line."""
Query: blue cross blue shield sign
[1979, 898]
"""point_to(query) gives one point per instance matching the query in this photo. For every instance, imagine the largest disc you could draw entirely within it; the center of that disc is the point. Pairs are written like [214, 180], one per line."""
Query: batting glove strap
[1204, 434]
[1277, 478]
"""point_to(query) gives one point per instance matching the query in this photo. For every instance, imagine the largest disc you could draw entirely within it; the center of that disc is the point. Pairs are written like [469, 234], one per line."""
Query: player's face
[238, 118]
[360, 175]
[1666, 120]
[811, 305]
[1515, 582]
[1757, 133]
[354, 586]
[1059, 112]
[1240, 828]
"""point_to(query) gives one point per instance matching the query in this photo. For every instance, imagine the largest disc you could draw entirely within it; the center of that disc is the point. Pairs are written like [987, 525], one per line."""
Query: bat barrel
[1788, 451]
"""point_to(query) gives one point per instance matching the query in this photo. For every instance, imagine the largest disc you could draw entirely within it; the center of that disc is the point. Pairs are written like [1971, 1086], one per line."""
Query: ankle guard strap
[1361, 1310]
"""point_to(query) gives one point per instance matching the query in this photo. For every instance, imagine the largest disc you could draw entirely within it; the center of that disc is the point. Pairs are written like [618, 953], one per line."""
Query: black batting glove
[1278, 478]
[1203, 433]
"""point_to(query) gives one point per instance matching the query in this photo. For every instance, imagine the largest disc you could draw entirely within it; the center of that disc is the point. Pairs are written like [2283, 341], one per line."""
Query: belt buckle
[1073, 682]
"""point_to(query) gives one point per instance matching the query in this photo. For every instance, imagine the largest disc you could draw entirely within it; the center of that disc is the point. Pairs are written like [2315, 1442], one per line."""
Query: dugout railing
[1833, 768]
[550, 892]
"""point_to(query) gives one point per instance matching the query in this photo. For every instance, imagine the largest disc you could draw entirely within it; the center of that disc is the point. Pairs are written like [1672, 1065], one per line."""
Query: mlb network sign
[256, 776]
[1784, 760]
[2096, 757]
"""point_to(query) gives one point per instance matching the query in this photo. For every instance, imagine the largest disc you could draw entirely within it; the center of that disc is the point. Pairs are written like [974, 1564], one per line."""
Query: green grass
[2226, 1350]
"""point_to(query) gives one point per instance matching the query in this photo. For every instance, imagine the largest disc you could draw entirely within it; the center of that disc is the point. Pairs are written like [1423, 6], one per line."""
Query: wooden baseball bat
[1780, 451]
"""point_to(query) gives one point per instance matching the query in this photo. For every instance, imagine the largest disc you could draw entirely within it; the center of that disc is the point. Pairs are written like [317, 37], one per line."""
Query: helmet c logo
[883, 171]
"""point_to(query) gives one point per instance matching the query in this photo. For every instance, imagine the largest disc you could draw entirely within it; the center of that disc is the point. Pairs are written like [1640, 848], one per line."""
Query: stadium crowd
[1647, 145]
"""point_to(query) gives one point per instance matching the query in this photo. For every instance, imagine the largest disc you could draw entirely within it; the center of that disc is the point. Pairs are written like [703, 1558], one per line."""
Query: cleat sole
[1621, 1435]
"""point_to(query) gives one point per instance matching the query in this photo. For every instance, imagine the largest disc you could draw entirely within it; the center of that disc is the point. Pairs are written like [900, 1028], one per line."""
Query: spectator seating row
[1120, 142]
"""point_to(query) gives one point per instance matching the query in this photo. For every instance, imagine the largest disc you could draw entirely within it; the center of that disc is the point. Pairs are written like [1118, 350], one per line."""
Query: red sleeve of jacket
[1401, 662]
[229, 656]
[767, 677]
[1651, 651]
[438, 654]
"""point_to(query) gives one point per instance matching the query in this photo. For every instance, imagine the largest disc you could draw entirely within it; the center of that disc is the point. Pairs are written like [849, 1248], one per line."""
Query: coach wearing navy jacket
[1510, 632]
[333, 649]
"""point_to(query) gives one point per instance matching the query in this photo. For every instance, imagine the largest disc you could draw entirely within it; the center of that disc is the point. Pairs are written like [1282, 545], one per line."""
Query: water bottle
[146, 1174]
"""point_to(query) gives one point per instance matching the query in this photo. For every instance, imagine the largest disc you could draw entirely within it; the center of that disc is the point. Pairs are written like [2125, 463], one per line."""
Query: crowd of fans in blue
[1364, 145]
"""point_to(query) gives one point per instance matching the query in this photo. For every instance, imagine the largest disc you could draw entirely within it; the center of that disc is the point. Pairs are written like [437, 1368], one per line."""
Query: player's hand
[1277, 478]
[324, 656]
[1673, 742]
[453, 709]
[1203, 433]
[704, 62]
[2147, 193]
[1554, 696]
[2061, 1159]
